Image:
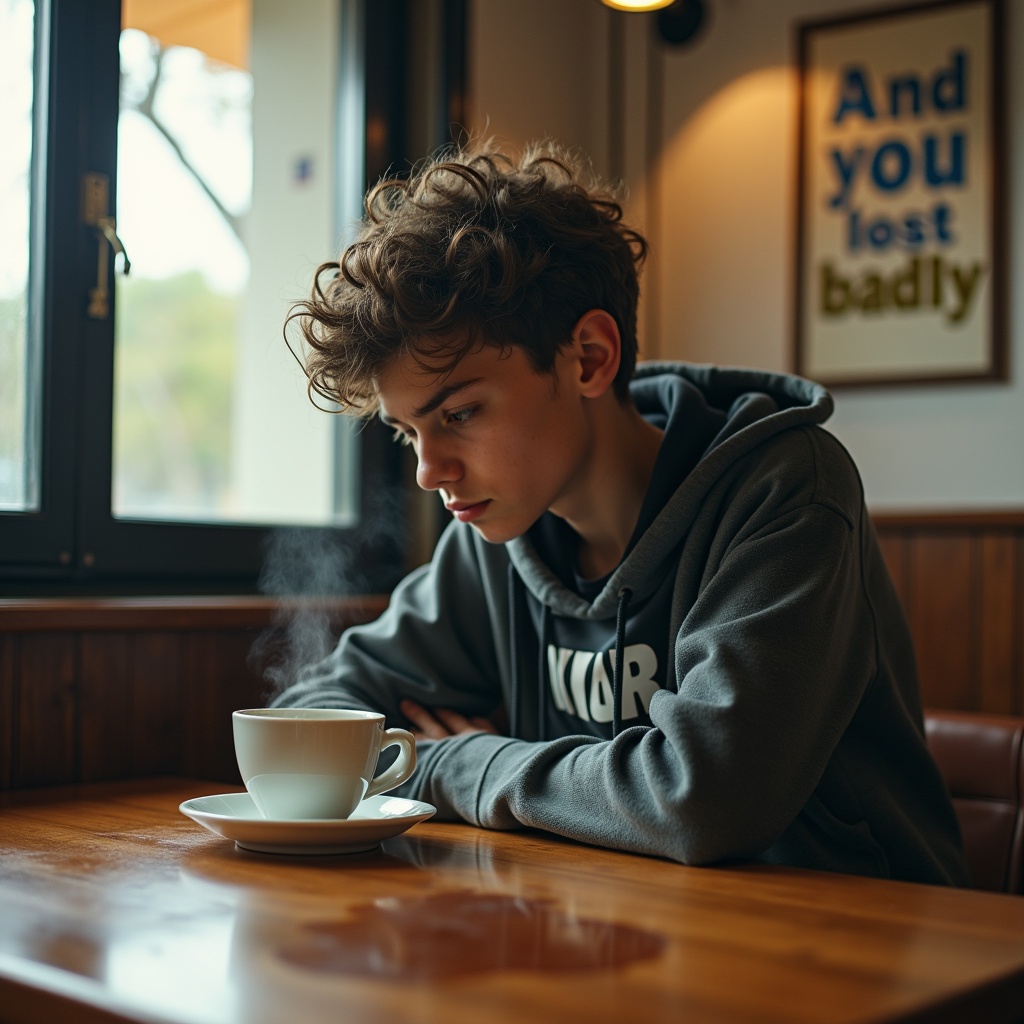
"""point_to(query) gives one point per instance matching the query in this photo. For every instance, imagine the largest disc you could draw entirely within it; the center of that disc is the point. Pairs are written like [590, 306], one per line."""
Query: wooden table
[113, 906]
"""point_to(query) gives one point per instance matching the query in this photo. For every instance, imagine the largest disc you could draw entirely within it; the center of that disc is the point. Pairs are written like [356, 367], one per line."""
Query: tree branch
[146, 108]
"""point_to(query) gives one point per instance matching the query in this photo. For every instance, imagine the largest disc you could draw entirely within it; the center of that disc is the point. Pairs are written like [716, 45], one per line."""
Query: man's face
[501, 442]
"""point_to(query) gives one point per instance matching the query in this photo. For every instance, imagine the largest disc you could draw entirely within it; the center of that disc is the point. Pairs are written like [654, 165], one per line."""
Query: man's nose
[435, 467]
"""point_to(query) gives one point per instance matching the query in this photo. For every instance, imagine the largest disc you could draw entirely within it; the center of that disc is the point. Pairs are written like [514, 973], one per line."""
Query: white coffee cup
[316, 762]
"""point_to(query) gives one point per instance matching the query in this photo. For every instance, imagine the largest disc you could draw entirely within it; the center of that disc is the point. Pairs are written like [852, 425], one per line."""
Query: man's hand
[439, 723]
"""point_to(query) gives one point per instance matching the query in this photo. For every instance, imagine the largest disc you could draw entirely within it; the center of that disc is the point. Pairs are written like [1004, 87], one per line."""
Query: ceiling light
[637, 5]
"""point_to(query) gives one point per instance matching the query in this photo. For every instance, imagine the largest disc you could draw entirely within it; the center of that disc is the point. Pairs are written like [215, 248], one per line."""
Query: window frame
[72, 543]
[38, 544]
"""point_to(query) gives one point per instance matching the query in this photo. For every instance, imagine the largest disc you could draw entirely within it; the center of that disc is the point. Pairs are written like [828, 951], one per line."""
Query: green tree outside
[172, 397]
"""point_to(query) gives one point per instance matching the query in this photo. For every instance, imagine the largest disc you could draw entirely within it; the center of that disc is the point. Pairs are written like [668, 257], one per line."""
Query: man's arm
[771, 663]
[441, 723]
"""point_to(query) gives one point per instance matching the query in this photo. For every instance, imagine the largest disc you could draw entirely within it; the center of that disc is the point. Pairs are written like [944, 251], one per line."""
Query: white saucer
[234, 816]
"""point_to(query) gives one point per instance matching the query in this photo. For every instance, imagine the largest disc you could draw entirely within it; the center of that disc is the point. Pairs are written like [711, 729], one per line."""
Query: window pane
[19, 394]
[226, 203]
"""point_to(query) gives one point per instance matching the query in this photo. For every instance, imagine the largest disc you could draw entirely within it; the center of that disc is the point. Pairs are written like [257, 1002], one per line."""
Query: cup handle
[404, 766]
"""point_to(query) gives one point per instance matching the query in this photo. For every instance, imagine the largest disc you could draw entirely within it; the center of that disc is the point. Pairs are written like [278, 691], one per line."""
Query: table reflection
[452, 933]
[123, 905]
[481, 923]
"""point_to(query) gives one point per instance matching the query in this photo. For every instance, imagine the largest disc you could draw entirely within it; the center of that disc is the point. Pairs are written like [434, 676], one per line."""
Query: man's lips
[467, 511]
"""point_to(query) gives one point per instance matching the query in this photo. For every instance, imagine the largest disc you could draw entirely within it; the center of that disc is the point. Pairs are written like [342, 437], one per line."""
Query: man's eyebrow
[439, 397]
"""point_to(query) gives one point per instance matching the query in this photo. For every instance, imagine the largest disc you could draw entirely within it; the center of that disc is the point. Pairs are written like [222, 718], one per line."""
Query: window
[19, 385]
[227, 200]
[177, 172]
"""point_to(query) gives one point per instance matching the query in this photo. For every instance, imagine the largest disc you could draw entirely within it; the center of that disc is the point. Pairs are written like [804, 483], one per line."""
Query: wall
[708, 134]
[539, 68]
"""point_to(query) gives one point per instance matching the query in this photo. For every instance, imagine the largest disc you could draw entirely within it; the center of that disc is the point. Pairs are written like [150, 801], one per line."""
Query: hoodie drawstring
[545, 636]
[515, 615]
[513, 635]
[620, 658]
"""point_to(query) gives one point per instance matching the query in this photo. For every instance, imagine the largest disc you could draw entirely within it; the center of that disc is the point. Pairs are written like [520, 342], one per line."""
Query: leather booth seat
[981, 757]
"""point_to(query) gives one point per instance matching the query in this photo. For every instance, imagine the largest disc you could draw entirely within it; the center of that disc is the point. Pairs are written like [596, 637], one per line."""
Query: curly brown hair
[474, 248]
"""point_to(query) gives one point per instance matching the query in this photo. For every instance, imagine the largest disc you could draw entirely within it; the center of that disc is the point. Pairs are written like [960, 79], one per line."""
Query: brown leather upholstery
[982, 759]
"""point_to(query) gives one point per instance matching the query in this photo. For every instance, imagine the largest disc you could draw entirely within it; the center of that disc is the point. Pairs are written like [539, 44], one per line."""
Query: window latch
[96, 214]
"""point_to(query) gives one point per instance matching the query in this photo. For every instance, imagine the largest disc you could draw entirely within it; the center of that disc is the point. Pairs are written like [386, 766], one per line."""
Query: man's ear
[599, 347]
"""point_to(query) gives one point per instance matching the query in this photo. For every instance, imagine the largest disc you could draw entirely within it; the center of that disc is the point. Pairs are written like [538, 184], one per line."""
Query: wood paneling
[961, 579]
[220, 681]
[119, 688]
[120, 614]
[158, 684]
[45, 748]
[100, 693]
[1018, 629]
[999, 602]
[913, 522]
[939, 599]
[7, 647]
[105, 706]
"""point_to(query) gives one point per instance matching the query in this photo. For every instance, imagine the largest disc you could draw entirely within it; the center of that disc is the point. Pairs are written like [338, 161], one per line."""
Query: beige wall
[710, 163]
[539, 68]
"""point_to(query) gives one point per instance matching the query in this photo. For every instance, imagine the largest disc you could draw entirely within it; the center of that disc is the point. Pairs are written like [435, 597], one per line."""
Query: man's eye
[461, 416]
[402, 437]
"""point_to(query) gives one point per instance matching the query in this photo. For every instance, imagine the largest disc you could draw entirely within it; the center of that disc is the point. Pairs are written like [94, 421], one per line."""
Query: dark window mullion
[40, 545]
[98, 75]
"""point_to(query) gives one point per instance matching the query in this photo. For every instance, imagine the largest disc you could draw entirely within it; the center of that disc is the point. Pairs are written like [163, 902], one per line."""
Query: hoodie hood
[756, 406]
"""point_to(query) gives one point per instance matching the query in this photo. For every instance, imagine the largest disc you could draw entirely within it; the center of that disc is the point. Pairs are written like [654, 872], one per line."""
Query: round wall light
[637, 5]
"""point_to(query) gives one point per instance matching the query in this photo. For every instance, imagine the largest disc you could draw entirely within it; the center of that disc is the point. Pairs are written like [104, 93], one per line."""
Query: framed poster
[900, 271]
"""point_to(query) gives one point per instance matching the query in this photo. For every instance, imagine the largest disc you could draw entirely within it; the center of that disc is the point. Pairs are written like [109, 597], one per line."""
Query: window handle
[108, 227]
[95, 193]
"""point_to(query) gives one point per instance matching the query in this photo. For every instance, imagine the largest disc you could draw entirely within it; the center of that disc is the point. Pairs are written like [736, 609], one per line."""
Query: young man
[663, 580]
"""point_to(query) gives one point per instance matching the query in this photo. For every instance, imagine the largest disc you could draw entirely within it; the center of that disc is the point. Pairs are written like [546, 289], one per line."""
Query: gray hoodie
[741, 687]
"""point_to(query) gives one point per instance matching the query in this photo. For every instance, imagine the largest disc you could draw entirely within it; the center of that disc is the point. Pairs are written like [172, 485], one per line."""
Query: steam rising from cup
[306, 571]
